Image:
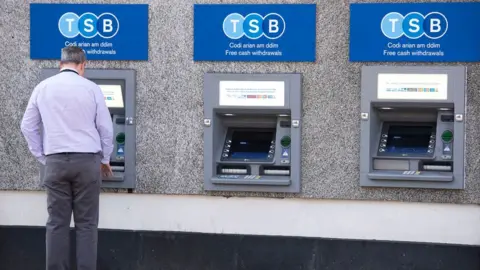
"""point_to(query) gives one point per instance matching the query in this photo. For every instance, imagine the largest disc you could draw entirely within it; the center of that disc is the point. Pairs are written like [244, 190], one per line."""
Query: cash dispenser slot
[227, 169]
[275, 170]
[436, 166]
[117, 166]
[118, 170]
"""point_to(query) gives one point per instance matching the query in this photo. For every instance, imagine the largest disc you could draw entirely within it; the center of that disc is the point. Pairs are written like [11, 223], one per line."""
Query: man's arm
[104, 126]
[30, 127]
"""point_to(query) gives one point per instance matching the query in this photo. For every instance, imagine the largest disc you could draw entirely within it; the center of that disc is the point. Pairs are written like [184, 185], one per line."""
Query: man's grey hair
[73, 54]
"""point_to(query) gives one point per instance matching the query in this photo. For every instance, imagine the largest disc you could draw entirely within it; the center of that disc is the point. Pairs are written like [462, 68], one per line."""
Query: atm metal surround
[123, 158]
[252, 132]
[413, 127]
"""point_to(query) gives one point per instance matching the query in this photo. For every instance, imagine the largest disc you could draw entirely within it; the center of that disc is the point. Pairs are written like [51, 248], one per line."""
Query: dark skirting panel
[23, 248]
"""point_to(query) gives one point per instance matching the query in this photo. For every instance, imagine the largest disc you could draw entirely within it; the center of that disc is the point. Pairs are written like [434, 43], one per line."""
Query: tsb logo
[88, 25]
[254, 26]
[414, 25]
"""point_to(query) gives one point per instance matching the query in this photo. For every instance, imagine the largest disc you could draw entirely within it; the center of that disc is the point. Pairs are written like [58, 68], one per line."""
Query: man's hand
[106, 170]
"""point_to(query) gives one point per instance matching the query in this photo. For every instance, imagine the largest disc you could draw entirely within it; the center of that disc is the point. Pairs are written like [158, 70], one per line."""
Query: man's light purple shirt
[72, 113]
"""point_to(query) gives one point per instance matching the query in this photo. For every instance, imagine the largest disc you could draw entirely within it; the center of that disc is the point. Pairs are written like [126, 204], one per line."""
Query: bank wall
[169, 108]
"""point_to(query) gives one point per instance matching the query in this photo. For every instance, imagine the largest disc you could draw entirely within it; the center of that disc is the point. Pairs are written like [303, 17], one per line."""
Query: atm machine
[252, 132]
[413, 127]
[118, 87]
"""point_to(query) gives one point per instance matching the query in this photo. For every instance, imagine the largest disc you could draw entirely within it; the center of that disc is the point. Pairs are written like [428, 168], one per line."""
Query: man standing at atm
[75, 148]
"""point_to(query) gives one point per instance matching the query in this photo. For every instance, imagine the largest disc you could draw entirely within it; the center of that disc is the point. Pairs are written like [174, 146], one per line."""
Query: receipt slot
[252, 132]
[412, 127]
[118, 88]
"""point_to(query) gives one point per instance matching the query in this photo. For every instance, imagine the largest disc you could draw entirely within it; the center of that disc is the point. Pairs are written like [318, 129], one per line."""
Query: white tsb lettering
[89, 25]
[107, 26]
[254, 25]
[273, 24]
[234, 22]
[414, 24]
[70, 24]
[393, 21]
[435, 26]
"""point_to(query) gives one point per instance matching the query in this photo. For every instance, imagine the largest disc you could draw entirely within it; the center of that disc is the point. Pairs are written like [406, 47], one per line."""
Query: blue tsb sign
[254, 32]
[105, 32]
[437, 32]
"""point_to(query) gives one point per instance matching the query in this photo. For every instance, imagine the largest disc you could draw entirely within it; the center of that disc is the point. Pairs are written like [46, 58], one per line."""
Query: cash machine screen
[408, 139]
[251, 144]
[113, 95]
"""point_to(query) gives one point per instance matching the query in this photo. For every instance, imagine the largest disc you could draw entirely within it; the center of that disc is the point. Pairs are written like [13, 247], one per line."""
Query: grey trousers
[72, 182]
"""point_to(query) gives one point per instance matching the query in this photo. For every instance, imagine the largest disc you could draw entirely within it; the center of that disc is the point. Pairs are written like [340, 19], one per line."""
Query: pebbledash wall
[169, 194]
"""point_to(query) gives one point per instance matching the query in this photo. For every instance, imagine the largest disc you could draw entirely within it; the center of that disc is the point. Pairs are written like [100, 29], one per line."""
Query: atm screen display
[408, 139]
[113, 95]
[251, 144]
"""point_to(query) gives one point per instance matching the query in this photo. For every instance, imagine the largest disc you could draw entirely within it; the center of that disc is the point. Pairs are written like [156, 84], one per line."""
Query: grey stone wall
[169, 94]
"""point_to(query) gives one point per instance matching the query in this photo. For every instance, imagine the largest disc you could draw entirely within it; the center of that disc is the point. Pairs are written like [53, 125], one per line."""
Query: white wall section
[341, 219]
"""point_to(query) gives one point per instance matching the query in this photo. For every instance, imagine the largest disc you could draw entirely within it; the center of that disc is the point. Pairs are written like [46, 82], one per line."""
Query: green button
[285, 141]
[120, 137]
[447, 136]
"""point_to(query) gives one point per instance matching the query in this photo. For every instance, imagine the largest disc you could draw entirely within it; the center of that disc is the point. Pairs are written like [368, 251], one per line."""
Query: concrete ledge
[338, 219]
